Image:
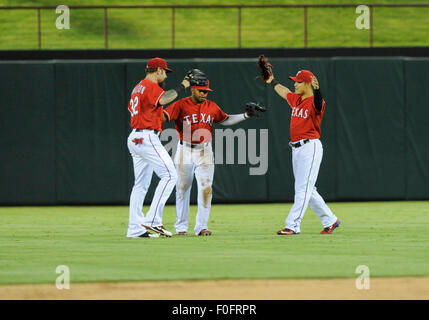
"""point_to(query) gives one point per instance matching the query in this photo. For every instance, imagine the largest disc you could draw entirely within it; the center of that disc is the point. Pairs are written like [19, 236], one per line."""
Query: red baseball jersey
[305, 119]
[195, 120]
[144, 108]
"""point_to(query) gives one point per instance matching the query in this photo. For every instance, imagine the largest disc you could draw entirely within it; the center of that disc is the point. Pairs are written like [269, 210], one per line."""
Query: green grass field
[211, 28]
[391, 238]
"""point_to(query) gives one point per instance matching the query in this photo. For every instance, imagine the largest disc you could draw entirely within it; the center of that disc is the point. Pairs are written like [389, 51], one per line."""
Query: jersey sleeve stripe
[157, 100]
[167, 114]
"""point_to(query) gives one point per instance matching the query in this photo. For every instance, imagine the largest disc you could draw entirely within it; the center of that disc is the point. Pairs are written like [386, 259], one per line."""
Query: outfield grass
[391, 238]
[211, 28]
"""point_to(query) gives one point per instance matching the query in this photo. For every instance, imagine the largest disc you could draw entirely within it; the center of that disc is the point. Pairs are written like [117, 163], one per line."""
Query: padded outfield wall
[64, 124]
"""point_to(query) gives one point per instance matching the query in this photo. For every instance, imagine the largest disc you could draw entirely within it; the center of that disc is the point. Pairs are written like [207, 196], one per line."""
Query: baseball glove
[196, 77]
[265, 68]
[253, 108]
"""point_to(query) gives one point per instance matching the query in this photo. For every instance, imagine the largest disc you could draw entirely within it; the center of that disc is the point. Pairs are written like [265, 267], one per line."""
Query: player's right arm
[281, 90]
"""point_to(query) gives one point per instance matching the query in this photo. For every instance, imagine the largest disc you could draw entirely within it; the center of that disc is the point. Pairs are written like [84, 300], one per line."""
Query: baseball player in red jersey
[308, 108]
[148, 154]
[194, 117]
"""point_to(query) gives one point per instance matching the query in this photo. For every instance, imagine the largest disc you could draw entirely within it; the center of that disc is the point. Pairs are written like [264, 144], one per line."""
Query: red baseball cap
[207, 88]
[303, 76]
[158, 63]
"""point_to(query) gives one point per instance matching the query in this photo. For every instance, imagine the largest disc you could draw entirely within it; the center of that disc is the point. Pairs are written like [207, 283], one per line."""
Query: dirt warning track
[406, 288]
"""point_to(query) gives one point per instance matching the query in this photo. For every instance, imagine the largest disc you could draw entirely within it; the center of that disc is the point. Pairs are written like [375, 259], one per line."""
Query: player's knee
[173, 177]
[169, 177]
[206, 182]
[207, 196]
[182, 187]
[139, 187]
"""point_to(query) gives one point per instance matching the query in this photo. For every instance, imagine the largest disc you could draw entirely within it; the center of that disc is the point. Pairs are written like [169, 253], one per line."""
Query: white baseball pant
[148, 157]
[190, 161]
[306, 163]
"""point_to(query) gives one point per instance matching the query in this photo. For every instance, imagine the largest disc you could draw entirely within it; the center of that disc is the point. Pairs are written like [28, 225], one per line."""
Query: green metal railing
[239, 8]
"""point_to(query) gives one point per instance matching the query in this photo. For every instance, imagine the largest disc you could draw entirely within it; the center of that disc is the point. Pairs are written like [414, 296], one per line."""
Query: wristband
[179, 88]
[274, 82]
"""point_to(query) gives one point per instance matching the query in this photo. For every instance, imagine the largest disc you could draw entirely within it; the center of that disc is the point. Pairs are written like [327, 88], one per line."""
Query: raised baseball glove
[253, 108]
[196, 77]
[265, 68]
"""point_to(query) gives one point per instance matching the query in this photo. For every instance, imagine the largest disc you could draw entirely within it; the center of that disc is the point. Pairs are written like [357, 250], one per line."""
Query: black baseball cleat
[205, 232]
[149, 235]
[159, 229]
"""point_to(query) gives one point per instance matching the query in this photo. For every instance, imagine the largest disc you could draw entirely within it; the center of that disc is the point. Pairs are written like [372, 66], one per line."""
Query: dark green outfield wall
[64, 124]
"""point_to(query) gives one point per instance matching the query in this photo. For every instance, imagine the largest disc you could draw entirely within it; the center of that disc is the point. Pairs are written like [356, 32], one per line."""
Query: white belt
[195, 145]
[148, 130]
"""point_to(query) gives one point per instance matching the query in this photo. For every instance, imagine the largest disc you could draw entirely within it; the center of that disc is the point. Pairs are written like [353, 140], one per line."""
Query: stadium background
[67, 129]
[372, 137]
[64, 123]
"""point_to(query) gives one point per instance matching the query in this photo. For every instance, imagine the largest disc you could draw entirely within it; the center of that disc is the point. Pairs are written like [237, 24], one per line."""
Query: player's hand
[265, 68]
[252, 109]
[270, 79]
[186, 83]
[314, 83]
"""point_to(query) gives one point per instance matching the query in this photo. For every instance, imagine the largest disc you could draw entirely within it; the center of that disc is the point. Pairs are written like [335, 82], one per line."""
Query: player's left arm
[227, 119]
[251, 110]
[318, 99]
[234, 119]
